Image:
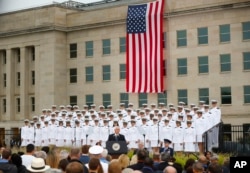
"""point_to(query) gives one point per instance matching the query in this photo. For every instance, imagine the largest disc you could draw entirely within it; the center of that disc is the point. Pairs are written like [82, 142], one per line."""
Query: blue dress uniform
[168, 150]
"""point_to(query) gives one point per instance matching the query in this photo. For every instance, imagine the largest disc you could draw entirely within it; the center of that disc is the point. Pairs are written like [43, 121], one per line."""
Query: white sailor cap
[172, 108]
[206, 106]
[189, 122]
[162, 104]
[53, 114]
[44, 110]
[142, 112]
[213, 101]
[101, 106]
[156, 110]
[92, 105]
[201, 102]
[35, 117]
[181, 103]
[133, 120]
[199, 112]
[187, 110]
[85, 106]
[180, 107]
[170, 104]
[49, 110]
[109, 106]
[67, 121]
[129, 109]
[147, 109]
[86, 119]
[152, 104]
[26, 120]
[62, 106]
[122, 104]
[38, 123]
[192, 104]
[91, 110]
[105, 120]
[96, 149]
[53, 106]
[130, 104]
[164, 110]
[144, 104]
[144, 118]
[155, 118]
[57, 111]
[76, 106]
[68, 106]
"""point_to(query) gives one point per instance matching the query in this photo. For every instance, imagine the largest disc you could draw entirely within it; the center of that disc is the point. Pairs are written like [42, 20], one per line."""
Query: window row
[18, 79]
[182, 95]
[106, 47]
[202, 34]
[16, 53]
[203, 63]
[18, 105]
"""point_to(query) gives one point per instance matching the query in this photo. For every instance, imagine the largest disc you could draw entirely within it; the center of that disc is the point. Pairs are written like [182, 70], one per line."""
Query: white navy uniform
[45, 132]
[178, 138]
[38, 137]
[31, 135]
[78, 136]
[189, 139]
[133, 137]
[60, 136]
[166, 132]
[25, 135]
[104, 134]
[68, 136]
[154, 135]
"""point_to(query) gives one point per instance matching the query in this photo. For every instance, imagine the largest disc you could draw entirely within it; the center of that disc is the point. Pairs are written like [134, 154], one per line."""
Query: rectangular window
[3, 56]
[106, 47]
[183, 96]
[225, 33]
[122, 71]
[124, 98]
[162, 98]
[143, 98]
[202, 35]
[89, 72]
[225, 62]
[246, 60]
[4, 106]
[164, 44]
[247, 94]
[204, 95]
[33, 104]
[18, 78]
[18, 105]
[73, 100]
[164, 67]
[106, 100]
[89, 48]
[246, 30]
[89, 99]
[226, 96]
[33, 78]
[4, 80]
[181, 38]
[182, 66]
[73, 75]
[122, 44]
[106, 72]
[203, 64]
[32, 51]
[18, 55]
[73, 50]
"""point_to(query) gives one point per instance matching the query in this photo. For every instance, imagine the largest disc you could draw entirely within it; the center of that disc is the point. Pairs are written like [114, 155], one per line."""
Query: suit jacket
[120, 137]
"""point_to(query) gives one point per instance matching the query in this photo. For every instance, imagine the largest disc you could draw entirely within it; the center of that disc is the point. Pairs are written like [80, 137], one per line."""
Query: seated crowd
[95, 159]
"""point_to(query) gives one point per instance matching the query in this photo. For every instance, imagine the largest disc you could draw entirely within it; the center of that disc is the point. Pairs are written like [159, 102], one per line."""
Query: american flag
[144, 58]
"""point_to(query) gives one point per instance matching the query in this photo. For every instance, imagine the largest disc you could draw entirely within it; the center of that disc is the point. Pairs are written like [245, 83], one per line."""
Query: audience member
[96, 152]
[75, 156]
[40, 154]
[214, 168]
[104, 155]
[46, 149]
[64, 154]
[75, 167]
[214, 159]
[141, 156]
[123, 160]
[5, 164]
[52, 158]
[38, 165]
[84, 158]
[17, 160]
[170, 169]
[63, 164]
[198, 167]
[164, 161]
[148, 166]
[95, 166]
[29, 155]
[189, 163]
[114, 167]
[203, 160]
[226, 166]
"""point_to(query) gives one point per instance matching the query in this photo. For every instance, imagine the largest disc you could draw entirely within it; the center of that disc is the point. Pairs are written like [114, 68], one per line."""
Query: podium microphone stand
[87, 139]
[144, 139]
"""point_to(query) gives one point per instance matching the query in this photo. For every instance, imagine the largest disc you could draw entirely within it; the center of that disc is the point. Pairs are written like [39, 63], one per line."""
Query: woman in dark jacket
[17, 160]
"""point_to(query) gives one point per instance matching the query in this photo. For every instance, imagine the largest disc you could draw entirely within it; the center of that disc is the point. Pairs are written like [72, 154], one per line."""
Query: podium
[116, 148]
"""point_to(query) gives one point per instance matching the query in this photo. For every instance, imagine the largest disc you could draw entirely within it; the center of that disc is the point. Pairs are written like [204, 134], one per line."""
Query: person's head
[214, 159]
[189, 163]
[141, 154]
[46, 149]
[114, 167]
[30, 148]
[74, 167]
[75, 153]
[63, 154]
[104, 153]
[95, 151]
[95, 165]
[208, 154]
[214, 168]
[85, 149]
[169, 169]
[38, 165]
[117, 129]
[148, 162]
[41, 154]
[16, 159]
[167, 142]
[123, 160]
[6, 154]
[198, 167]
[63, 164]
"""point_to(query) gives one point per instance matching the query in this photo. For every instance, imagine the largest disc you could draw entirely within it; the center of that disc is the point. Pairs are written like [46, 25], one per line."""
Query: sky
[13, 5]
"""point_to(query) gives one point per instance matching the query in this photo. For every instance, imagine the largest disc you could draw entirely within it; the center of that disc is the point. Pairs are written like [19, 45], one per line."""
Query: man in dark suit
[116, 136]
[166, 148]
